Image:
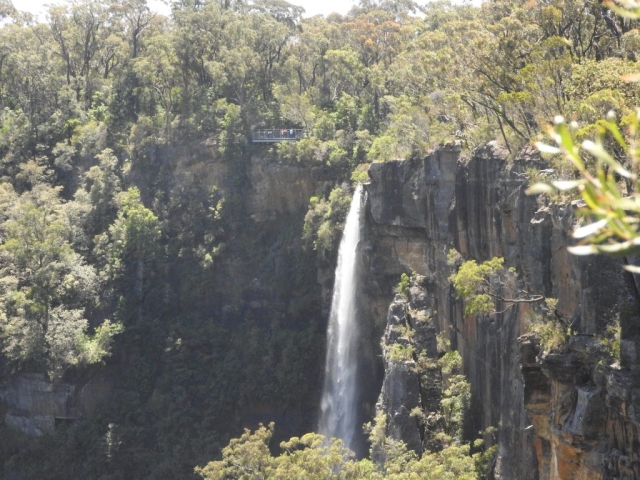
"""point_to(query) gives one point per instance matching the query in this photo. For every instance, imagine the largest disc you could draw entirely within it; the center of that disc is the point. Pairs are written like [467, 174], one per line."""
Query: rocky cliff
[562, 415]
[262, 291]
[559, 416]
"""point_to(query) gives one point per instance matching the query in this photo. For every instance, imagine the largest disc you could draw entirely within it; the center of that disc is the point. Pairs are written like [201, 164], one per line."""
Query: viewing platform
[273, 135]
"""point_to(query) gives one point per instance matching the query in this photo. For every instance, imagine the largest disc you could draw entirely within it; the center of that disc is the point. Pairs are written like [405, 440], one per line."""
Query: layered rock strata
[37, 406]
[559, 416]
[261, 285]
[408, 386]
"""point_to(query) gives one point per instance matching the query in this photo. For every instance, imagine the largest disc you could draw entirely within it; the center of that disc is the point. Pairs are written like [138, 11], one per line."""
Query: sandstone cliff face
[36, 406]
[560, 416]
[406, 387]
[283, 188]
[268, 280]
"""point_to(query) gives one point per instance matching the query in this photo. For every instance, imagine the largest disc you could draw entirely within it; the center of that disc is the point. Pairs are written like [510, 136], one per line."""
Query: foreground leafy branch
[606, 182]
[607, 186]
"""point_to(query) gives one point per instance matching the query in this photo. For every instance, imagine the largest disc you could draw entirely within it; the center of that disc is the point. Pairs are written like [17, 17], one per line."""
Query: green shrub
[551, 333]
[450, 363]
[488, 284]
[398, 352]
[472, 283]
[610, 341]
[324, 221]
[404, 285]
[360, 174]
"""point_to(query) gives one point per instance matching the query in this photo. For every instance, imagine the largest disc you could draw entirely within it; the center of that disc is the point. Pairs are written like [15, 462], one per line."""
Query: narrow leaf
[622, 248]
[598, 151]
[590, 229]
[563, 185]
[544, 148]
[590, 196]
[631, 13]
[631, 77]
[564, 137]
[582, 250]
[615, 131]
[540, 188]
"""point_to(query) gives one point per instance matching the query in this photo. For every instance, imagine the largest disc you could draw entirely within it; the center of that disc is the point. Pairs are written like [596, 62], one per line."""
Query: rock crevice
[559, 416]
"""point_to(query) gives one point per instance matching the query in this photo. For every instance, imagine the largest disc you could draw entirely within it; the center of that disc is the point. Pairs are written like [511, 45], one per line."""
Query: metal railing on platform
[270, 135]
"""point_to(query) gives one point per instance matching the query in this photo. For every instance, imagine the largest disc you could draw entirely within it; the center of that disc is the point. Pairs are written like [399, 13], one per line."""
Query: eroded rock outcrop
[408, 386]
[35, 405]
[559, 416]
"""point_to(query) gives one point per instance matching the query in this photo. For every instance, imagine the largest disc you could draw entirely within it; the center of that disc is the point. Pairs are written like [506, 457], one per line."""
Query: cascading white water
[338, 417]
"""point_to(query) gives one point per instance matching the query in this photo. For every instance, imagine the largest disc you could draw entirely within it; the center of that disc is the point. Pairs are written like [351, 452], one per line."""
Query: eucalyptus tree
[47, 288]
[130, 248]
[77, 31]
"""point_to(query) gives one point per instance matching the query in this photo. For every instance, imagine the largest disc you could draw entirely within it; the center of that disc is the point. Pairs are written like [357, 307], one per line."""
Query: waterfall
[338, 417]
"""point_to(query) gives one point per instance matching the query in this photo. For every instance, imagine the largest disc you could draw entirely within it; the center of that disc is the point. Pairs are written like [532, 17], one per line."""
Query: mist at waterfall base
[340, 416]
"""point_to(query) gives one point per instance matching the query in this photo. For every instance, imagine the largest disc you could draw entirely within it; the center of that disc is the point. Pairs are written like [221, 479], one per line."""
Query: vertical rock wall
[559, 416]
[36, 406]
[265, 283]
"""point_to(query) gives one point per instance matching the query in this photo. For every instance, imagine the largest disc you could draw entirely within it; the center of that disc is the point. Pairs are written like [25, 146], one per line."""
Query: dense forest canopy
[106, 253]
[378, 83]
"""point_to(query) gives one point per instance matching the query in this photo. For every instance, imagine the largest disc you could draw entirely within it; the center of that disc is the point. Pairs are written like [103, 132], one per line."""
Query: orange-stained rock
[559, 414]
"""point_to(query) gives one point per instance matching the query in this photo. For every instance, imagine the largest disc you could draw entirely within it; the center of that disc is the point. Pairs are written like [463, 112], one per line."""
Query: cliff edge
[559, 416]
